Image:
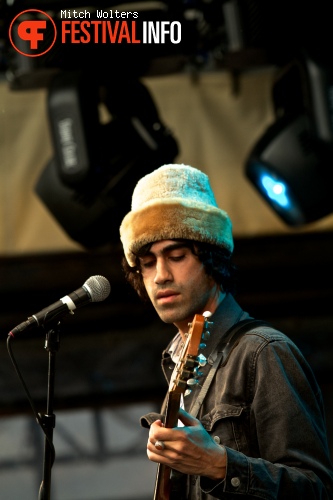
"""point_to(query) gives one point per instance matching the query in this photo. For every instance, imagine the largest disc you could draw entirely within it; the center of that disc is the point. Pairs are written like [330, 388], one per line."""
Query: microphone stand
[47, 420]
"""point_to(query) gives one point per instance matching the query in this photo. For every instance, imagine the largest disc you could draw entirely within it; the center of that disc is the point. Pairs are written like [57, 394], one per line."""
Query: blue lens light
[276, 190]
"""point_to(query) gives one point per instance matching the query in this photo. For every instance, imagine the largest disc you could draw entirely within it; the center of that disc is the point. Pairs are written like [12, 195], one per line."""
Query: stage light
[276, 190]
[291, 166]
[88, 184]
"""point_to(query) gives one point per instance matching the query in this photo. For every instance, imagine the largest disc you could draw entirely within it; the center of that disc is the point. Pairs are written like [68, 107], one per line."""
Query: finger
[156, 432]
[157, 423]
[187, 419]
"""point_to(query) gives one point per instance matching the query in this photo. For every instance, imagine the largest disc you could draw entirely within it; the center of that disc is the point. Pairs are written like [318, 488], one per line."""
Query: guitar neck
[171, 417]
[165, 487]
[162, 484]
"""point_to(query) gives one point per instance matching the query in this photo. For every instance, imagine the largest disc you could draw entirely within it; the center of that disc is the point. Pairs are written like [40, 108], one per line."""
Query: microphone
[95, 289]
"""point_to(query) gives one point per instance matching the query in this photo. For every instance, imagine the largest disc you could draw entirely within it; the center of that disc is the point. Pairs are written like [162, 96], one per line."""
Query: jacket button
[217, 439]
[235, 481]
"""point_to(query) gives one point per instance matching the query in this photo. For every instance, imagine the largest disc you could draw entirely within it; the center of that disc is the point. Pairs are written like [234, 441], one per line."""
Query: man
[260, 431]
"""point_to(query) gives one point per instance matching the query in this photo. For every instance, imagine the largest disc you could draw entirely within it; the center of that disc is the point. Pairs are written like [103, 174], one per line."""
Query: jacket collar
[227, 314]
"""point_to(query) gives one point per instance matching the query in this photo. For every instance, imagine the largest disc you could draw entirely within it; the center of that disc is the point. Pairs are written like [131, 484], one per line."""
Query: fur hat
[174, 201]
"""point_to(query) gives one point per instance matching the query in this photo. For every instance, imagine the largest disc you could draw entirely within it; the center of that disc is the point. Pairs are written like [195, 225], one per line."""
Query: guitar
[182, 376]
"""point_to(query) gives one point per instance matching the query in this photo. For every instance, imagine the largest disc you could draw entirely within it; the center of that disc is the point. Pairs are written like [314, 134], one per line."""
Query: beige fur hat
[174, 201]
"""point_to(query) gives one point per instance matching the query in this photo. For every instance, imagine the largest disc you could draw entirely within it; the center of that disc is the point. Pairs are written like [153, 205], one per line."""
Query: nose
[162, 274]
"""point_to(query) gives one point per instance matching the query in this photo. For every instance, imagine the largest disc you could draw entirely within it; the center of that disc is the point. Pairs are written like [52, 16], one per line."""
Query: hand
[190, 449]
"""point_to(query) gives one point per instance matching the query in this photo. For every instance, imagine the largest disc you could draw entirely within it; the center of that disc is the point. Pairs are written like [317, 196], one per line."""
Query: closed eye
[177, 258]
[148, 264]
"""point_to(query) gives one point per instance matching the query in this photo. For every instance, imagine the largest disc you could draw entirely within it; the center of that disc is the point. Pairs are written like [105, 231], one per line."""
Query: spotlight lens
[275, 190]
[278, 188]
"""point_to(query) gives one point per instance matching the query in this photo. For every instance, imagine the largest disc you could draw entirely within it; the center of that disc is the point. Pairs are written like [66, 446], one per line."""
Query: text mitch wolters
[120, 32]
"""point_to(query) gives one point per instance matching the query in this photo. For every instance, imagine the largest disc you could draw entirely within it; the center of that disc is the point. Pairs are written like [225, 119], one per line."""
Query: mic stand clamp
[47, 420]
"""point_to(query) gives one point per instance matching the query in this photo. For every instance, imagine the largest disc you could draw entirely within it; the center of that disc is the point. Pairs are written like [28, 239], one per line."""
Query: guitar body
[170, 484]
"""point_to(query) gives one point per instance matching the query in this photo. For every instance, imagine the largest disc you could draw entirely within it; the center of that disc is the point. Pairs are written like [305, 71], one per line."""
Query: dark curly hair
[217, 263]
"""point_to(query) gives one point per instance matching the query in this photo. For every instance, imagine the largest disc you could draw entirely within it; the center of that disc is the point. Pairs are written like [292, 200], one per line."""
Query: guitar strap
[222, 352]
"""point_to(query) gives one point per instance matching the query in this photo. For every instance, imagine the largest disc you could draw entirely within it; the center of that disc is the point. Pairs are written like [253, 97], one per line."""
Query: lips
[166, 295]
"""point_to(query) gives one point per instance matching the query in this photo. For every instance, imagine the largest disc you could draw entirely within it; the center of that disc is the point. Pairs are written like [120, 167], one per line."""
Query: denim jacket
[265, 407]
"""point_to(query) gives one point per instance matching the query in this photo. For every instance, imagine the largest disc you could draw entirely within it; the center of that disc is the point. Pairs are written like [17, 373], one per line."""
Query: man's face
[177, 283]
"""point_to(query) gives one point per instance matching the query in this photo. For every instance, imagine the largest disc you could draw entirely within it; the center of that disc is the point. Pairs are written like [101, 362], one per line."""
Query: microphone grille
[98, 287]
